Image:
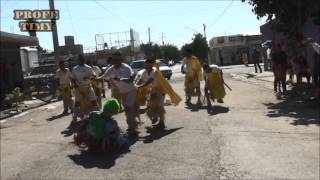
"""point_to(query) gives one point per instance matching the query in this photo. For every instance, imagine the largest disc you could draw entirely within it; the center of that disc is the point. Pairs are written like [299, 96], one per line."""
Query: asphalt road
[251, 136]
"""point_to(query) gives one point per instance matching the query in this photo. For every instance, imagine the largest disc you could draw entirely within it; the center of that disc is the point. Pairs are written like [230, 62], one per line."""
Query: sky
[178, 20]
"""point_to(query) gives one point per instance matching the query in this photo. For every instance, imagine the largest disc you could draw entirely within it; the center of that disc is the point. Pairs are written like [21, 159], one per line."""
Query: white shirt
[64, 76]
[79, 72]
[184, 65]
[98, 71]
[144, 76]
[316, 47]
[123, 72]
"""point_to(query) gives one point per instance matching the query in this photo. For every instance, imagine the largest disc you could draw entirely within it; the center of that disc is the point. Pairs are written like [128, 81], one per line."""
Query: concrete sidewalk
[22, 107]
[264, 76]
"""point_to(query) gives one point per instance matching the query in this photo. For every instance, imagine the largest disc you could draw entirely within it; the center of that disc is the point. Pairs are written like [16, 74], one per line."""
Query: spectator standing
[256, 60]
[279, 61]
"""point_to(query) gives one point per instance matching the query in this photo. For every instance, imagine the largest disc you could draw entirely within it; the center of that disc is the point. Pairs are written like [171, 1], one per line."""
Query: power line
[113, 14]
[221, 15]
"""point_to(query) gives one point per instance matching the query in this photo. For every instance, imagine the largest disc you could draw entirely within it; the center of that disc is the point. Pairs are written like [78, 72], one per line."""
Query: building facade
[10, 62]
[227, 50]
[70, 48]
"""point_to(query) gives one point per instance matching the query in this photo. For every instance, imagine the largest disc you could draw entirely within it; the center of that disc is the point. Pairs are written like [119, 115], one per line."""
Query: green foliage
[170, 52]
[151, 50]
[156, 51]
[289, 15]
[15, 97]
[199, 47]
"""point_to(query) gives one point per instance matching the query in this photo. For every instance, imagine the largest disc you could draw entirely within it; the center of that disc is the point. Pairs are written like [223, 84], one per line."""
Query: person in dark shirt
[279, 60]
[256, 60]
[304, 70]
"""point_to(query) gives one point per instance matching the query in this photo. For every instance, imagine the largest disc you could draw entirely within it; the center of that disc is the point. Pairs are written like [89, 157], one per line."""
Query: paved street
[251, 136]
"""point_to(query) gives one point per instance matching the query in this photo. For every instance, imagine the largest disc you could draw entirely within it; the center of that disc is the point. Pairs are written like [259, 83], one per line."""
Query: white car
[139, 65]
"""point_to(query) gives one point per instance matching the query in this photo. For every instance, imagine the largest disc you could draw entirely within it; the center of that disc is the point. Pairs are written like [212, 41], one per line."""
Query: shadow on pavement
[217, 110]
[297, 105]
[195, 107]
[100, 160]
[156, 134]
[56, 117]
[69, 131]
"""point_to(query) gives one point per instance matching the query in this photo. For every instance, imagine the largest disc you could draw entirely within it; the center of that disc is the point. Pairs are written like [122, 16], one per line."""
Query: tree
[170, 52]
[287, 16]
[199, 47]
[151, 50]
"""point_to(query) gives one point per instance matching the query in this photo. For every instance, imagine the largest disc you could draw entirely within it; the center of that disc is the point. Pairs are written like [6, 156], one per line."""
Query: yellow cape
[215, 85]
[164, 85]
[194, 68]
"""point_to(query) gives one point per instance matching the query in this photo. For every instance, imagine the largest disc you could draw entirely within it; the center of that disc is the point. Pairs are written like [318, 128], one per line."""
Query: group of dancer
[212, 76]
[128, 94]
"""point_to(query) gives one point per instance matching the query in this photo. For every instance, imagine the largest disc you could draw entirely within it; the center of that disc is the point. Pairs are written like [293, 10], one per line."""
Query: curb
[27, 109]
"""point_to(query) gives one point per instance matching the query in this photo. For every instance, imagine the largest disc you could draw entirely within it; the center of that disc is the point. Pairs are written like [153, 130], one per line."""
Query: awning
[21, 40]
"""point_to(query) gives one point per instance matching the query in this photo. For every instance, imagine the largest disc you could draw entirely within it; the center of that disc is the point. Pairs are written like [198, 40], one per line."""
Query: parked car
[139, 65]
[41, 81]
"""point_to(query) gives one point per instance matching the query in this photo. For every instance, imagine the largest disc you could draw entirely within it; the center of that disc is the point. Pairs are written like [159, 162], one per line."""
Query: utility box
[29, 59]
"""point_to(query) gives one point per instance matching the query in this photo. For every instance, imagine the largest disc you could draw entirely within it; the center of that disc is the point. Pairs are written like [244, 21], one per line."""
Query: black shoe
[199, 103]
[132, 134]
[188, 100]
[160, 126]
[72, 123]
[154, 120]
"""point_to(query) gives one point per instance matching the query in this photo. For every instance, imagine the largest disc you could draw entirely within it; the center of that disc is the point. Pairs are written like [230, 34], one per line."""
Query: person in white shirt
[64, 77]
[85, 99]
[145, 82]
[159, 87]
[120, 76]
[97, 84]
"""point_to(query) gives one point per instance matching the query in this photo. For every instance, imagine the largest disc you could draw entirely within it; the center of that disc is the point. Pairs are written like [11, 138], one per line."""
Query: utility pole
[204, 30]
[205, 35]
[54, 34]
[162, 36]
[149, 35]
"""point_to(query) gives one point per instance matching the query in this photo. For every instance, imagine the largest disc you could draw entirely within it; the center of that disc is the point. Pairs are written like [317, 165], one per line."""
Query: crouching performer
[100, 131]
[214, 84]
[159, 87]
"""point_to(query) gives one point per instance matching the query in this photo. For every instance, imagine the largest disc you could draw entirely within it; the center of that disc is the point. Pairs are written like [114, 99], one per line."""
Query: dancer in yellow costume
[141, 78]
[97, 84]
[159, 87]
[120, 76]
[64, 77]
[193, 76]
[85, 99]
[214, 84]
